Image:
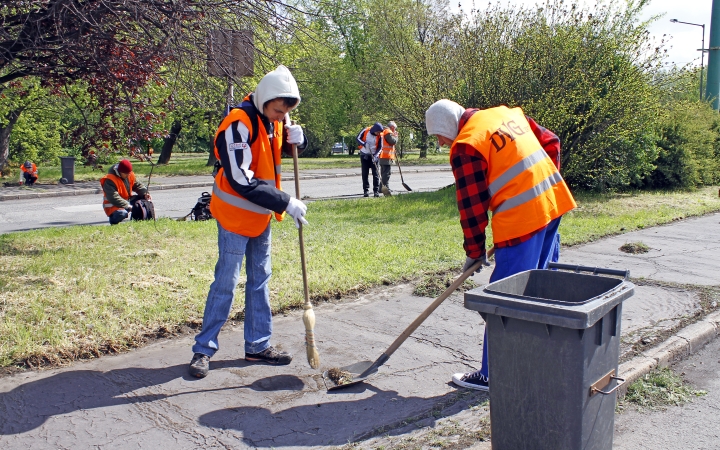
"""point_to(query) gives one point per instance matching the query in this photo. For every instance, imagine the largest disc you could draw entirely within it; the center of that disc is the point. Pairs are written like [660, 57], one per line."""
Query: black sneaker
[200, 365]
[366, 194]
[472, 380]
[270, 356]
[376, 194]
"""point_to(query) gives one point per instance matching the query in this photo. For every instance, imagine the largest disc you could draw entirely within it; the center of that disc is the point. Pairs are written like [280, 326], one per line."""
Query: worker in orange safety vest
[246, 195]
[118, 185]
[387, 153]
[505, 163]
[29, 172]
[369, 139]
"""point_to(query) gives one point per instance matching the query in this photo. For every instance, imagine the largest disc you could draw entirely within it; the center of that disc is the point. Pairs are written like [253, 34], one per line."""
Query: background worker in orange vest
[368, 141]
[246, 194]
[117, 187]
[387, 152]
[497, 156]
[29, 173]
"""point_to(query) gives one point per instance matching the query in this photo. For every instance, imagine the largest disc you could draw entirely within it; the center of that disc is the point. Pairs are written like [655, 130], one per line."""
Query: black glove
[470, 261]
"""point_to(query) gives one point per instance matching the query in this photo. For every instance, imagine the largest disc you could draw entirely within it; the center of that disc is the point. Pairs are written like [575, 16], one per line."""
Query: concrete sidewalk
[178, 182]
[145, 398]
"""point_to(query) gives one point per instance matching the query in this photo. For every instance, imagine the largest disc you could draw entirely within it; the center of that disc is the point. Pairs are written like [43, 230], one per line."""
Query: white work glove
[297, 210]
[295, 134]
[470, 261]
[375, 158]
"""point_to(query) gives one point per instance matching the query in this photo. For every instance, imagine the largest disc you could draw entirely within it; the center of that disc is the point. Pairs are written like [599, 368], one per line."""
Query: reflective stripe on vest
[234, 212]
[526, 190]
[238, 202]
[523, 165]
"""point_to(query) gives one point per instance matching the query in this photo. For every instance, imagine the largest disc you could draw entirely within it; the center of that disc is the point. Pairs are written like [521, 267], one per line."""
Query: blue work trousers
[258, 317]
[535, 253]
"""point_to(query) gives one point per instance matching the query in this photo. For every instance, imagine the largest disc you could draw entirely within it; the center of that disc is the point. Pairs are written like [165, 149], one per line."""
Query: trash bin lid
[566, 299]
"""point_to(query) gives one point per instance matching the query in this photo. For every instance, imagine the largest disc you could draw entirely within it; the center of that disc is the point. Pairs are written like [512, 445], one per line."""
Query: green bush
[37, 139]
[688, 135]
[585, 74]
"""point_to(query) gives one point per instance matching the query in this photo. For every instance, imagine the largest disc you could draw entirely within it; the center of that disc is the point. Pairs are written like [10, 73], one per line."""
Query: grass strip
[67, 293]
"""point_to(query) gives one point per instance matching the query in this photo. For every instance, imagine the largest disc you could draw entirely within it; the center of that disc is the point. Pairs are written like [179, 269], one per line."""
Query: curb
[683, 344]
[161, 187]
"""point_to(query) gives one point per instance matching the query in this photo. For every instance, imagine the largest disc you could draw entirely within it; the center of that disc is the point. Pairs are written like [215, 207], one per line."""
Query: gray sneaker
[200, 365]
[270, 356]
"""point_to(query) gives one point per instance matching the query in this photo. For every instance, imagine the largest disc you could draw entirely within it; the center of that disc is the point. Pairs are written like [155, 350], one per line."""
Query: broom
[309, 315]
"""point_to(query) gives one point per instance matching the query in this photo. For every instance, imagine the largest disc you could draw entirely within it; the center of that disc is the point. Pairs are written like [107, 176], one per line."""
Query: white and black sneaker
[472, 380]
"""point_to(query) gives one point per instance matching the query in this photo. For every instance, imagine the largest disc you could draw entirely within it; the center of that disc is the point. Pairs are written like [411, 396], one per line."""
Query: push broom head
[312, 352]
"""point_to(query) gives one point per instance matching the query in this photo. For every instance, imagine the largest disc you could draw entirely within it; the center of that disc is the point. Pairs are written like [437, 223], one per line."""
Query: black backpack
[142, 210]
[201, 211]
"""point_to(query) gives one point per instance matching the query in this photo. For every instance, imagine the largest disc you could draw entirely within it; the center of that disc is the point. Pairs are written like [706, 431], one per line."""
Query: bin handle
[594, 270]
[595, 390]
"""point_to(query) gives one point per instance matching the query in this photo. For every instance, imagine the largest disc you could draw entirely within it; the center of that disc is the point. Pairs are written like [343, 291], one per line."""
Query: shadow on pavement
[28, 406]
[338, 421]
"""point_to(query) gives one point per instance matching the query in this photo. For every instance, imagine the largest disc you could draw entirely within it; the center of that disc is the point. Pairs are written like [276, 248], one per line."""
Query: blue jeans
[258, 317]
[118, 216]
[535, 253]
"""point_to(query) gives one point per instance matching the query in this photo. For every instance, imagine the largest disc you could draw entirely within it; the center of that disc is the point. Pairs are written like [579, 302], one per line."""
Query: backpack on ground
[201, 211]
[142, 210]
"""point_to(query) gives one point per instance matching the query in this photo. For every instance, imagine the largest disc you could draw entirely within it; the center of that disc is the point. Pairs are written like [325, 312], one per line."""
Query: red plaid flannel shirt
[473, 198]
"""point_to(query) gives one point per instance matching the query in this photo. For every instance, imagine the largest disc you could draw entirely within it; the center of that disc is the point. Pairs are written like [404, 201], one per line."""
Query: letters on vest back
[526, 190]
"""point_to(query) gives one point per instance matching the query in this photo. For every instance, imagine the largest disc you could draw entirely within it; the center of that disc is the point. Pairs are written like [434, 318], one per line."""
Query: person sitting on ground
[29, 172]
[117, 185]
[503, 162]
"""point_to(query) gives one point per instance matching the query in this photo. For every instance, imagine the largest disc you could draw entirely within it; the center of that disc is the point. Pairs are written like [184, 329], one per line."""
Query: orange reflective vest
[387, 151]
[31, 170]
[526, 189]
[122, 190]
[234, 212]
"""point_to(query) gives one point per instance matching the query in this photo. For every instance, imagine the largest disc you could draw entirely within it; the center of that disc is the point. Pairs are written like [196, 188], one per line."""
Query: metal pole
[713, 79]
[702, 61]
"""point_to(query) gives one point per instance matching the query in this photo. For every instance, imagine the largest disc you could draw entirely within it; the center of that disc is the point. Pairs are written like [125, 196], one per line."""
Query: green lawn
[195, 164]
[82, 291]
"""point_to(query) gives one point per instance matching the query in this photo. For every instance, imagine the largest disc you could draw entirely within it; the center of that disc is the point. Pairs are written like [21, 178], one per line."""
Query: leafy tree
[412, 65]
[115, 48]
[18, 96]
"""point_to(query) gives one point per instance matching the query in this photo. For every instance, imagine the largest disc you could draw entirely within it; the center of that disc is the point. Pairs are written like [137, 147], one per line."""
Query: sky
[685, 39]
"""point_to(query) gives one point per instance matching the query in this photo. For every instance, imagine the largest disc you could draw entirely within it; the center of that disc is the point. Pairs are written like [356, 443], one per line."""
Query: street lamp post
[702, 51]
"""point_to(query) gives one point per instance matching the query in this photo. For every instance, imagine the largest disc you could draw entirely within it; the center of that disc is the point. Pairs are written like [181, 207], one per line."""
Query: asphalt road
[693, 425]
[18, 215]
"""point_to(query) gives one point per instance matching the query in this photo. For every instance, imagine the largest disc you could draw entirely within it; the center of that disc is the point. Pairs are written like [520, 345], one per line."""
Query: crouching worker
[503, 162]
[245, 196]
[29, 173]
[117, 185]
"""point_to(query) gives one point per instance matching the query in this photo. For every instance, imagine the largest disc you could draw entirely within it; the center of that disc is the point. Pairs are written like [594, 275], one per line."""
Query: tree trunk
[211, 157]
[170, 142]
[5, 131]
[423, 143]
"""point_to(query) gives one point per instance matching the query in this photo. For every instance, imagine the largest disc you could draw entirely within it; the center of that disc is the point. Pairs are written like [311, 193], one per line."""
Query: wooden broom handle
[306, 292]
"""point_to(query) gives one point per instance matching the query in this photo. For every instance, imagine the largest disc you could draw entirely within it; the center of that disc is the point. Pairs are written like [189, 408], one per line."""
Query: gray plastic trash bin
[67, 166]
[553, 345]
